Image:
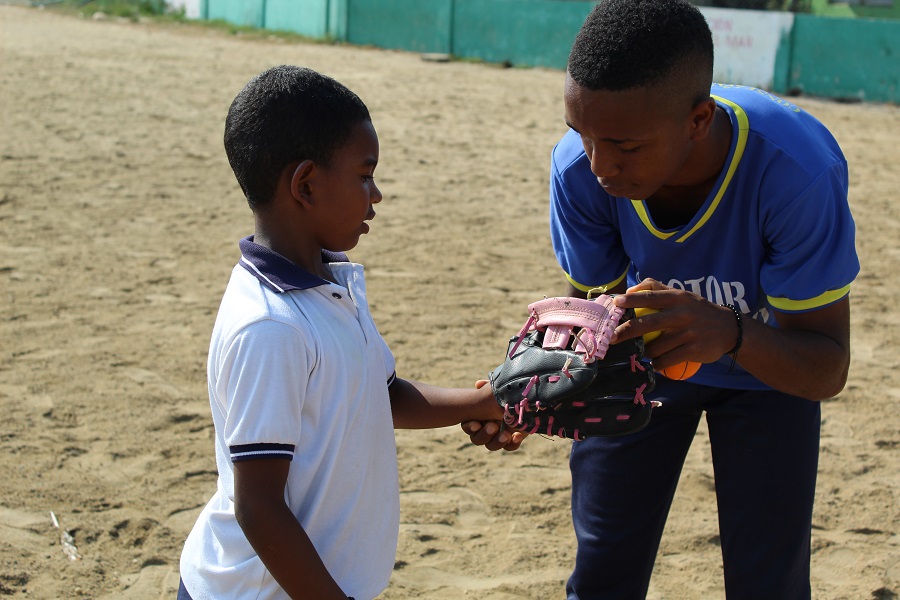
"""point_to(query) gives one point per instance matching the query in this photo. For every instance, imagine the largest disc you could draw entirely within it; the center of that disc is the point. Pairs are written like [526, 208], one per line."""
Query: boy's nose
[603, 165]
[376, 195]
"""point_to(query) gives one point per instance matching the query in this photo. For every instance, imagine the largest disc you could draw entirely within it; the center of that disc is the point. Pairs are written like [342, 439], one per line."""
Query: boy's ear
[702, 118]
[300, 180]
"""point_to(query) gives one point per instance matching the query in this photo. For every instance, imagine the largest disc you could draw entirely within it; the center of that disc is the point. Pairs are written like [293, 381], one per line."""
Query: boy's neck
[672, 206]
[300, 250]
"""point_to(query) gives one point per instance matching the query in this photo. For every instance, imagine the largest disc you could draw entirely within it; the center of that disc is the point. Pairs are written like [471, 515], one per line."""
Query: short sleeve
[390, 363]
[812, 258]
[265, 372]
[585, 240]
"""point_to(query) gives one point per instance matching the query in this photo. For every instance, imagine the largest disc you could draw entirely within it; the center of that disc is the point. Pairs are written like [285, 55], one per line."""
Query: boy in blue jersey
[302, 387]
[726, 208]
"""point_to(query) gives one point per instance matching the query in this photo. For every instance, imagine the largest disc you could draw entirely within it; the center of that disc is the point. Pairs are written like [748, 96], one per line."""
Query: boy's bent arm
[417, 405]
[807, 355]
[274, 532]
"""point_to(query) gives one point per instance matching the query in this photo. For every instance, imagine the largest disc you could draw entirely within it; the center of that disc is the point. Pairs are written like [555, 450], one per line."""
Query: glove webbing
[558, 318]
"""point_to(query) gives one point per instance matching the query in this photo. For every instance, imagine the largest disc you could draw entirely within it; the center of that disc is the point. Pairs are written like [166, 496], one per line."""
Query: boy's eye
[367, 178]
[629, 150]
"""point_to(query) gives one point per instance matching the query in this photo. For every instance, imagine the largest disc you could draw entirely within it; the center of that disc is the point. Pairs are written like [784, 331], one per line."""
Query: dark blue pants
[182, 592]
[765, 448]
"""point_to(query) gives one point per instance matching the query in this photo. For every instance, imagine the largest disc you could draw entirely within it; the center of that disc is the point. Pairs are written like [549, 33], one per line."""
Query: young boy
[731, 206]
[302, 387]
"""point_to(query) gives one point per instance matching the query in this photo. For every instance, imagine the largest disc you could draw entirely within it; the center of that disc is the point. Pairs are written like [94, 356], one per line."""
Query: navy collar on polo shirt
[278, 273]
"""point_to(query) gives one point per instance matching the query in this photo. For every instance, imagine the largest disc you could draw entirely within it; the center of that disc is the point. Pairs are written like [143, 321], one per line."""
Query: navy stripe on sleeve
[255, 451]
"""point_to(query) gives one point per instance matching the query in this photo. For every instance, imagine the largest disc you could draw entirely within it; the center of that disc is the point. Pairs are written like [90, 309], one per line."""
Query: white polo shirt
[298, 371]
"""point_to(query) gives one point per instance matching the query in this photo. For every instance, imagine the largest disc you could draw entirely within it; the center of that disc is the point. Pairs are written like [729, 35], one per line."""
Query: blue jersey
[774, 234]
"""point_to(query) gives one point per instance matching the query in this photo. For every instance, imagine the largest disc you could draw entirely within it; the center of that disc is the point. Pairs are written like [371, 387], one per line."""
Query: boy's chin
[347, 247]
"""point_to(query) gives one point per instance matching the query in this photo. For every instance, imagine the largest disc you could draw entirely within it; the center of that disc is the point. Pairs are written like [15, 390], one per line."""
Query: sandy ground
[120, 217]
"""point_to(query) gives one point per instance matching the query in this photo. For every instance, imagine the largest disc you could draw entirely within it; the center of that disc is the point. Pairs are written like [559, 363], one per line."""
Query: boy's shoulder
[766, 113]
[568, 151]
[778, 127]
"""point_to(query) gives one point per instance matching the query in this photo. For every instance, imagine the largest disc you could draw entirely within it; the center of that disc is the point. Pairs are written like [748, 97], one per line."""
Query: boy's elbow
[249, 514]
[836, 388]
[830, 386]
[243, 515]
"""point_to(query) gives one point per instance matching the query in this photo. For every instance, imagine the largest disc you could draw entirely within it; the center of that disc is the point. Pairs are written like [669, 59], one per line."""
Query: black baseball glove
[562, 378]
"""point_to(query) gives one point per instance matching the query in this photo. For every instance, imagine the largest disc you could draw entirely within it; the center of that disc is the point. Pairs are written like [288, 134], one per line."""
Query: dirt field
[120, 220]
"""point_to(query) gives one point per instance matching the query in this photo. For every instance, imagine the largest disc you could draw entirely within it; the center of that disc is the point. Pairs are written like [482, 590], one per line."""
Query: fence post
[451, 25]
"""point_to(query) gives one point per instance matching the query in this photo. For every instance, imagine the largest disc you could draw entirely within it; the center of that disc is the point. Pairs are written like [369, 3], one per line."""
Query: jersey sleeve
[812, 259]
[585, 240]
[390, 363]
[266, 371]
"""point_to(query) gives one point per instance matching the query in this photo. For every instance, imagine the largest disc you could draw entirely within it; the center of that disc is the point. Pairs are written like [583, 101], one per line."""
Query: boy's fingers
[515, 441]
[470, 427]
[498, 442]
[490, 435]
[487, 437]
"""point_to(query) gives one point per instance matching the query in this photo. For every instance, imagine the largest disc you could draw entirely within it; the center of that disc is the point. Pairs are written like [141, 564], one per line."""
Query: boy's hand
[693, 328]
[491, 434]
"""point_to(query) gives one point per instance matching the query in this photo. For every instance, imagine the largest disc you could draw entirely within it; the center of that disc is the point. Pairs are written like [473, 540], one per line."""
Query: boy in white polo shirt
[302, 387]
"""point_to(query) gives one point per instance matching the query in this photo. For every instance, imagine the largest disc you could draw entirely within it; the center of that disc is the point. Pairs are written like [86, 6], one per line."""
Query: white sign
[746, 43]
[191, 7]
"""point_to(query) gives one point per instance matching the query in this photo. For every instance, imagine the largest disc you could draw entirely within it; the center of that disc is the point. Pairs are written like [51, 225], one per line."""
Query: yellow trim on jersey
[641, 211]
[743, 129]
[828, 297]
[588, 288]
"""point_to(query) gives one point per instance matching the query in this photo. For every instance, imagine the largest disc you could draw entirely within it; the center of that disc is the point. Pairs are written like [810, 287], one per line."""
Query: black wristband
[740, 337]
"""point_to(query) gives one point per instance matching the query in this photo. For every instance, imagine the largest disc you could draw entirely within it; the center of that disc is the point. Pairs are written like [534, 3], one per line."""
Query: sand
[120, 220]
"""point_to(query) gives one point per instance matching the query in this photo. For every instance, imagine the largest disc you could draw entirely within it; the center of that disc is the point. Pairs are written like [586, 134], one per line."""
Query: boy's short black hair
[282, 115]
[627, 44]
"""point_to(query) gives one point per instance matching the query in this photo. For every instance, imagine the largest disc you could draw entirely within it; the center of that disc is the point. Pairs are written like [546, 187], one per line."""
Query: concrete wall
[782, 52]
[855, 59]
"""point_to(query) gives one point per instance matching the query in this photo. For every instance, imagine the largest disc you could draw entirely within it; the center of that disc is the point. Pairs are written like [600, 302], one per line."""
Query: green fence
[308, 18]
[845, 58]
[416, 25]
[521, 32]
[320, 19]
[822, 56]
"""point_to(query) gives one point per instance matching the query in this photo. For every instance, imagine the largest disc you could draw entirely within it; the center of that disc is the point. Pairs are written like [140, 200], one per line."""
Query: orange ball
[681, 370]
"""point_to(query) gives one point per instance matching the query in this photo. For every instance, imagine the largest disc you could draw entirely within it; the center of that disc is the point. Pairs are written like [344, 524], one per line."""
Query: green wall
[236, 12]
[846, 59]
[522, 32]
[416, 25]
[307, 18]
[827, 8]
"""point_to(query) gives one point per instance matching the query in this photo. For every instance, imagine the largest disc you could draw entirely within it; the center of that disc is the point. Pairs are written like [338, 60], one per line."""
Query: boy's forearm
[286, 550]
[809, 364]
[806, 355]
[417, 405]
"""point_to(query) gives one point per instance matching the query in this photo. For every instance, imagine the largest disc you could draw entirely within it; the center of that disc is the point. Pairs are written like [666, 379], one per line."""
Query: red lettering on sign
[739, 41]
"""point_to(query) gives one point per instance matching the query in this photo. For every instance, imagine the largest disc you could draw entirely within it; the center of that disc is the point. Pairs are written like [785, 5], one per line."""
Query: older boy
[734, 202]
[731, 207]
[302, 387]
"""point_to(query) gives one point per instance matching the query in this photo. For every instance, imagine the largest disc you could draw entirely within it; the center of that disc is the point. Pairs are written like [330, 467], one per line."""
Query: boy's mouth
[611, 188]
